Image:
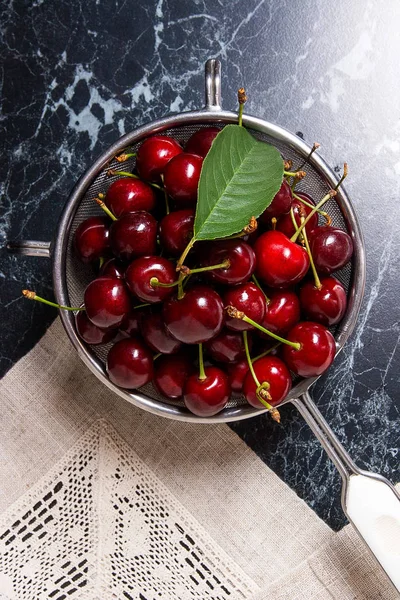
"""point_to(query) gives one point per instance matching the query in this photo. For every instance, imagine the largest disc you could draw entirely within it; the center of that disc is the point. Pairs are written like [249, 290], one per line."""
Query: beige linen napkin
[273, 544]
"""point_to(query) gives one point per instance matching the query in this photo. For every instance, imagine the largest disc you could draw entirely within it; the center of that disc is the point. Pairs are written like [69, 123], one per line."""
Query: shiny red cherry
[283, 312]
[128, 195]
[171, 373]
[280, 262]
[236, 375]
[156, 335]
[112, 268]
[107, 302]
[130, 364]
[241, 257]
[134, 234]
[317, 349]
[326, 305]
[285, 223]
[200, 142]
[176, 230]
[91, 238]
[90, 333]
[140, 272]
[195, 318]
[131, 323]
[228, 346]
[274, 371]
[331, 248]
[207, 397]
[153, 156]
[280, 204]
[247, 298]
[181, 178]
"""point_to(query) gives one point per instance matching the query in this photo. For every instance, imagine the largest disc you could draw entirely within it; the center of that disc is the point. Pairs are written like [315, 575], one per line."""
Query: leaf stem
[202, 374]
[330, 194]
[32, 296]
[105, 208]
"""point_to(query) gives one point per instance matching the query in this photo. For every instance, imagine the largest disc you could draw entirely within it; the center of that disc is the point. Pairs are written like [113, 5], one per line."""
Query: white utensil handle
[373, 507]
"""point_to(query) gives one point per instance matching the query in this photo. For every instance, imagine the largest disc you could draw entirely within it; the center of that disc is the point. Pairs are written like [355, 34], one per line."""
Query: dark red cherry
[130, 364]
[153, 156]
[207, 397]
[280, 204]
[92, 238]
[131, 323]
[107, 302]
[241, 257]
[140, 272]
[283, 312]
[170, 374]
[156, 335]
[274, 371]
[317, 349]
[236, 375]
[326, 305]
[200, 142]
[247, 298]
[285, 223]
[181, 178]
[134, 234]
[90, 333]
[128, 195]
[331, 248]
[195, 318]
[280, 262]
[112, 268]
[176, 230]
[228, 346]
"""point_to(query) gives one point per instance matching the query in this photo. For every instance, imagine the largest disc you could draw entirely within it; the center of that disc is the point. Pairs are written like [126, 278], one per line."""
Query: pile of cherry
[250, 303]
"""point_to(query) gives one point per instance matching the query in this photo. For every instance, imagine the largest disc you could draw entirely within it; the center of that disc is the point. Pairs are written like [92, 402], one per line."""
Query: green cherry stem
[313, 149]
[165, 196]
[237, 314]
[330, 194]
[105, 208]
[249, 361]
[297, 174]
[202, 374]
[155, 283]
[254, 278]
[224, 265]
[157, 356]
[266, 352]
[125, 156]
[312, 206]
[261, 388]
[141, 305]
[293, 219]
[32, 296]
[185, 253]
[314, 270]
[343, 177]
[112, 172]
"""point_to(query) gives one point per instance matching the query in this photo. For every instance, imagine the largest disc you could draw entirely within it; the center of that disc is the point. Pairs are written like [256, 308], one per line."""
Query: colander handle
[213, 84]
[30, 248]
[371, 502]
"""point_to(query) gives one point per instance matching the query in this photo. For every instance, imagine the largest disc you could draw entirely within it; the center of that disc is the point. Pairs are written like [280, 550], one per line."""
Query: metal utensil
[370, 501]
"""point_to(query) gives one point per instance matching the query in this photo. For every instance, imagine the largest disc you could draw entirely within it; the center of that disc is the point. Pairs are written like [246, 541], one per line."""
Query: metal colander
[70, 278]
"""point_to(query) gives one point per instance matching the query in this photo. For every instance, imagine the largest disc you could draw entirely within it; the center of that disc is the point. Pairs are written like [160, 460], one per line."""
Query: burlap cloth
[142, 507]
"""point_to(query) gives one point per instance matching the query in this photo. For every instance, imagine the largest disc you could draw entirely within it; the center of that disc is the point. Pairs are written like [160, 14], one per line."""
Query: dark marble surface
[76, 75]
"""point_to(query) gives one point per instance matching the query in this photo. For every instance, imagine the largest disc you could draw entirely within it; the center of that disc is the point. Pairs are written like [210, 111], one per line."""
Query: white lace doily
[101, 525]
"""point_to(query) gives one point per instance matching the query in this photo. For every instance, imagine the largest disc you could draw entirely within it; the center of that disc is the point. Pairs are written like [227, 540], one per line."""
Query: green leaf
[239, 179]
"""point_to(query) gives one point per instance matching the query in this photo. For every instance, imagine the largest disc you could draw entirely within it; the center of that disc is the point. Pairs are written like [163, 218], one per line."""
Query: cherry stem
[330, 194]
[224, 265]
[185, 253]
[165, 196]
[123, 157]
[32, 296]
[105, 208]
[343, 177]
[101, 261]
[112, 172]
[237, 314]
[293, 219]
[155, 283]
[181, 293]
[259, 386]
[266, 352]
[254, 278]
[321, 212]
[274, 221]
[298, 174]
[314, 270]
[157, 356]
[141, 305]
[313, 149]
[242, 98]
[202, 374]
